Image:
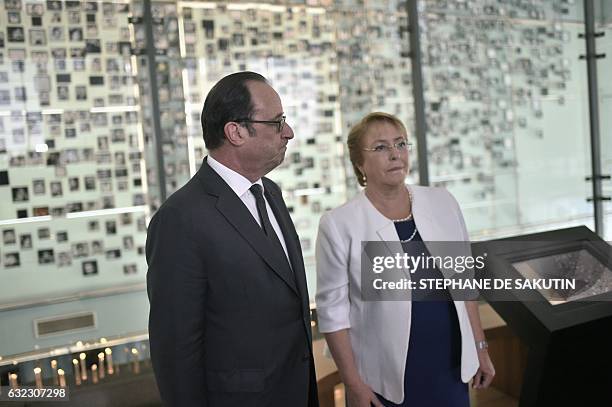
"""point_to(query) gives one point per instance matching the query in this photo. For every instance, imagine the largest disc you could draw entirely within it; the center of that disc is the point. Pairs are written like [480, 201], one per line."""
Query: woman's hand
[483, 377]
[360, 395]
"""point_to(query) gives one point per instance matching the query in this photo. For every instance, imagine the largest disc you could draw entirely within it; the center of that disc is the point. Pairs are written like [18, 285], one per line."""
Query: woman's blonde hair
[354, 141]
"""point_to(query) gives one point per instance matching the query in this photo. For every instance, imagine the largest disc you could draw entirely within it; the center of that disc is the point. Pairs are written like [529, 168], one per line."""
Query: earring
[364, 180]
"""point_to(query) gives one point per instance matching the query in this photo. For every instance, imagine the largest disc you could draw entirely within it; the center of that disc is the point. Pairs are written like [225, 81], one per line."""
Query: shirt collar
[237, 182]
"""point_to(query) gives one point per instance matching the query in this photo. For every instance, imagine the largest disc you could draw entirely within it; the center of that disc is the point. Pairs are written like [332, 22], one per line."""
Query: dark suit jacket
[230, 322]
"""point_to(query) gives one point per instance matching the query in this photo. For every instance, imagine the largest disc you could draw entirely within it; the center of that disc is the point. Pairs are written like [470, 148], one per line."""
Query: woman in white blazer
[390, 353]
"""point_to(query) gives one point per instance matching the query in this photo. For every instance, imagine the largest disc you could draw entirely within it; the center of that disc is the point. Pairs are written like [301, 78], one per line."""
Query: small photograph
[64, 259]
[46, 256]
[8, 236]
[118, 135]
[38, 187]
[92, 29]
[104, 174]
[5, 97]
[15, 34]
[13, 17]
[56, 34]
[87, 154]
[58, 53]
[113, 254]
[103, 157]
[97, 247]
[111, 227]
[74, 207]
[63, 92]
[35, 9]
[90, 6]
[92, 46]
[90, 183]
[122, 185]
[93, 225]
[78, 64]
[13, 4]
[129, 269]
[20, 94]
[41, 211]
[125, 219]
[43, 233]
[70, 133]
[62, 236]
[74, 184]
[56, 188]
[103, 143]
[56, 17]
[141, 224]
[58, 211]
[128, 242]
[20, 194]
[74, 17]
[81, 92]
[90, 268]
[108, 202]
[25, 241]
[80, 249]
[75, 34]
[38, 36]
[11, 260]
[54, 5]
[96, 80]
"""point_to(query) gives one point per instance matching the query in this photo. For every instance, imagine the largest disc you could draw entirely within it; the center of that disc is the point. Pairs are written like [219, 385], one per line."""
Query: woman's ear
[234, 133]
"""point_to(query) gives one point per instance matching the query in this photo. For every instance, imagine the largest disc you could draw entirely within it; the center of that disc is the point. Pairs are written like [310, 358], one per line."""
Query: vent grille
[64, 324]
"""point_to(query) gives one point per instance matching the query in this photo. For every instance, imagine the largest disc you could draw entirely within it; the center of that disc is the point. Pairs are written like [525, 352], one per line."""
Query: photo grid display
[503, 80]
[70, 144]
[294, 47]
[174, 139]
[491, 71]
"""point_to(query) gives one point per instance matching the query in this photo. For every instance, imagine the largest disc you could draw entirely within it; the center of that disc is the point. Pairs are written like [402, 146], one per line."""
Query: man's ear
[234, 133]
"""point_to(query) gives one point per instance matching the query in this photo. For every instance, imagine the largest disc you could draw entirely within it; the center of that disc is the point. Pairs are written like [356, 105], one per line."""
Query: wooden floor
[478, 398]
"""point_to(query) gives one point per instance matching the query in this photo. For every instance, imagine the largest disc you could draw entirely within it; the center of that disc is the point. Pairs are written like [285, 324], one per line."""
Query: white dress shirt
[240, 185]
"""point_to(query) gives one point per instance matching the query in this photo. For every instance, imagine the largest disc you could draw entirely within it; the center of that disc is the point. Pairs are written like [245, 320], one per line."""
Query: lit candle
[109, 360]
[94, 373]
[61, 377]
[77, 375]
[101, 364]
[13, 380]
[54, 369]
[38, 378]
[136, 361]
[82, 356]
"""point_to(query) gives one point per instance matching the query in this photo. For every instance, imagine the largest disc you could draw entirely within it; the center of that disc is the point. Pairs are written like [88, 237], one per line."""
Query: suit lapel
[236, 213]
[288, 230]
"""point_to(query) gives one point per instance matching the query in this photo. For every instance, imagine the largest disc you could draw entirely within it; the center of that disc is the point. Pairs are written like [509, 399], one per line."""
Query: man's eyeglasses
[279, 123]
[402, 145]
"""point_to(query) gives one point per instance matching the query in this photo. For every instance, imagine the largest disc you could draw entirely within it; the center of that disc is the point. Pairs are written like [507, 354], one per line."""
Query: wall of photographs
[72, 173]
[507, 111]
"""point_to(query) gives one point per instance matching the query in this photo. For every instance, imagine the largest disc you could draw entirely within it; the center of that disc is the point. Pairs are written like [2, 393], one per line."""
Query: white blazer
[379, 330]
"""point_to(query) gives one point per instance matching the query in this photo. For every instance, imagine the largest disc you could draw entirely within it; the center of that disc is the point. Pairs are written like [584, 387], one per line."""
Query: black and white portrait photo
[90, 268]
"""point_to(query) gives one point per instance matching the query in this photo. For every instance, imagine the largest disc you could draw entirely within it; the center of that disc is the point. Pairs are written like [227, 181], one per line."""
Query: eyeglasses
[402, 145]
[279, 123]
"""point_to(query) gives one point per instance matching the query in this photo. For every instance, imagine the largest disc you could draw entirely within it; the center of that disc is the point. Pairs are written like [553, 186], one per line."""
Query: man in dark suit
[230, 320]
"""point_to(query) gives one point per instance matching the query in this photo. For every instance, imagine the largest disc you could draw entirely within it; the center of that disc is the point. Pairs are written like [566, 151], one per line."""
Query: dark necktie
[266, 225]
